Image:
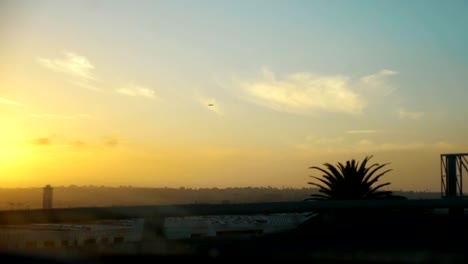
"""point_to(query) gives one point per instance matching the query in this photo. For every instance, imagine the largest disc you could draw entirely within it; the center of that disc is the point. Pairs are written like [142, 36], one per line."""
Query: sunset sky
[118, 92]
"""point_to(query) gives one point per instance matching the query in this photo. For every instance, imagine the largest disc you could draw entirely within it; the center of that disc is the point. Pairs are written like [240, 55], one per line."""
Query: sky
[229, 93]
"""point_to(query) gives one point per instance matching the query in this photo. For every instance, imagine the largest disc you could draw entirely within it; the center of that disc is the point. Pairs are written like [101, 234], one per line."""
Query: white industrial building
[71, 235]
[230, 225]
[107, 233]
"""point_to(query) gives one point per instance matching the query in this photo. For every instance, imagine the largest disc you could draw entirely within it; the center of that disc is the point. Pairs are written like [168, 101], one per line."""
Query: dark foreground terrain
[357, 237]
[344, 237]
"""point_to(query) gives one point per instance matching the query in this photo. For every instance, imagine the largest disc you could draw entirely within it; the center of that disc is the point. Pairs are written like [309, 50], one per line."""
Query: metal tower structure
[452, 167]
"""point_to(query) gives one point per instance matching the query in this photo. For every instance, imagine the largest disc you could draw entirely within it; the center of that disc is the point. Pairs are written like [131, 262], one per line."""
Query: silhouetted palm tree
[351, 182]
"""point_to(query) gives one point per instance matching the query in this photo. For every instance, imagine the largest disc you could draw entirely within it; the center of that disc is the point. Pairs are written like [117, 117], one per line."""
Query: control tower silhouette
[47, 197]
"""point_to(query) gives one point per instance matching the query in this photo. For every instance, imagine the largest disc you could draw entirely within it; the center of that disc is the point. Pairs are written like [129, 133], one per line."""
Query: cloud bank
[306, 92]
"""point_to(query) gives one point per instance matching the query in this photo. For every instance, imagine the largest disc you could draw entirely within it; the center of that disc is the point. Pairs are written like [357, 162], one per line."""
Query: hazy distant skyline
[118, 92]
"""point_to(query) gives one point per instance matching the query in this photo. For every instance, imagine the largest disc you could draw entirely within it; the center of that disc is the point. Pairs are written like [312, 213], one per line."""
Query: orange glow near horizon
[166, 97]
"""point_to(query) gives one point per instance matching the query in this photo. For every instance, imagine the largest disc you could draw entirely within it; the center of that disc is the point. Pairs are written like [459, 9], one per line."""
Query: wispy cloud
[76, 67]
[210, 104]
[343, 144]
[444, 145]
[325, 140]
[43, 141]
[403, 114]
[78, 143]
[55, 142]
[9, 102]
[64, 117]
[86, 85]
[368, 146]
[365, 131]
[72, 64]
[377, 82]
[137, 90]
[60, 142]
[111, 141]
[304, 92]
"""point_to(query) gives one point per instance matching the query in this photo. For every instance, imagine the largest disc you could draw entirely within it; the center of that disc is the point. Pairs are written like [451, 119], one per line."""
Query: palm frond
[322, 170]
[327, 183]
[334, 171]
[374, 170]
[376, 178]
[317, 197]
[316, 185]
[374, 189]
[351, 180]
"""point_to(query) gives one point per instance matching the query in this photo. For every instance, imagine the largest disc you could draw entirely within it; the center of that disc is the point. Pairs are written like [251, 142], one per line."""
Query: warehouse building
[241, 226]
[103, 233]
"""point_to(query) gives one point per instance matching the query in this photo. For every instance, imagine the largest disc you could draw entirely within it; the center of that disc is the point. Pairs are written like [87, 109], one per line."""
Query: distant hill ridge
[86, 196]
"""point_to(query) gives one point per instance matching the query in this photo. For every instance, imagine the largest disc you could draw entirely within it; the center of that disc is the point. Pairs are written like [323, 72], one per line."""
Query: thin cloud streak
[367, 146]
[78, 143]
[378, 82]
[326, 140]
[86, 85]
[63, 117]
[368, 131]
[111, 141]
[137, 90]
[403, 114]
[378, 78]
[9, 102]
